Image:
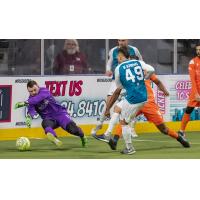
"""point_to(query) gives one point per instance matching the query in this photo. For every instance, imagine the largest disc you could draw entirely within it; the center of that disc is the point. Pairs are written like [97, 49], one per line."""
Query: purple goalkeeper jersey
[45, 105]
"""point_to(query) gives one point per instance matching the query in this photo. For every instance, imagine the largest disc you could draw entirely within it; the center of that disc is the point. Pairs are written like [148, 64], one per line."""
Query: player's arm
[34, 100]
[112, 100]
[149, 70]
[193, 80]
[160, 85]
[30, 115]
[21, 104]
[137, 53]
[109, 64]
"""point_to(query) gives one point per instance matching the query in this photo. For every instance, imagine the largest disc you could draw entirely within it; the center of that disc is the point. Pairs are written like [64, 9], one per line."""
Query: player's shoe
[55, 140]
[84, 141]
[183, 141]
[97, 128]
[128, 151]
[112, 144]
[101, 137]
[181, 133]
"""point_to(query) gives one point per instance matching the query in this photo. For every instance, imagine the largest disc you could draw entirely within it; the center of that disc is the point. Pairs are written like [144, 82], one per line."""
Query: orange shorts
[192, 102]
[152, 112]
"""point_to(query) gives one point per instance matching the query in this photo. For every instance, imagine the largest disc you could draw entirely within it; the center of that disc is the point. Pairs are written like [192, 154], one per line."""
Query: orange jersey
[194, 72]
[150, 92]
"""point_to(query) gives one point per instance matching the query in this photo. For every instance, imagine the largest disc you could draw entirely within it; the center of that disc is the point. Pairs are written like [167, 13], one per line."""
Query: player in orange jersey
[152, 112]
[194, 98]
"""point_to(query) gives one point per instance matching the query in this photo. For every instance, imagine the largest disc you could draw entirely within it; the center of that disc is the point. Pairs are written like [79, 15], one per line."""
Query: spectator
[70, 60]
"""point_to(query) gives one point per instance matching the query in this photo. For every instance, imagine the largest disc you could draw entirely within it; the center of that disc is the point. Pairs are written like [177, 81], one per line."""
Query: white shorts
[129, 111]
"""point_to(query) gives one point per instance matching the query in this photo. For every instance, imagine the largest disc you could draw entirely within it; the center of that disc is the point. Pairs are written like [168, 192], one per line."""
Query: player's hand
[107, 113]
[109, 73]
[197, 97]
[166, 93]
[19, 105]
[28, 121]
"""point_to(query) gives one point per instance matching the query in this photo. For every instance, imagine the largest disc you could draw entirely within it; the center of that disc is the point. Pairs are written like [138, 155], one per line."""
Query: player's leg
[103, 117]
[113, 142]
[132, 125]
[185, 119]
[126, 132]
[65, 121]
[128, 113]
[152, 112]
[73, 129]
[49, 126]
[180, 138]
[113, 121]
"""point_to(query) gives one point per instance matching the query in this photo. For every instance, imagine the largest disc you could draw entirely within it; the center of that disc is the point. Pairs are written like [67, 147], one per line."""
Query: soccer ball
[23, 144]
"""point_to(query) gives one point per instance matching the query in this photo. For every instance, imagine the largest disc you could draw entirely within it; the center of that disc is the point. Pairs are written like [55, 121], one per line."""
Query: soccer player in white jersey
[110, 69]
[130, 76]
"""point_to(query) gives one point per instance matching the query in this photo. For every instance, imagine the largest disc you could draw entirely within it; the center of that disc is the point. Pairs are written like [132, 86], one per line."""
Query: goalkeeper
[52, 113]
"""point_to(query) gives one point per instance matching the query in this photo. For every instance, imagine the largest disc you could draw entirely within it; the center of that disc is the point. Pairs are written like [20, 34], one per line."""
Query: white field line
[138, 140]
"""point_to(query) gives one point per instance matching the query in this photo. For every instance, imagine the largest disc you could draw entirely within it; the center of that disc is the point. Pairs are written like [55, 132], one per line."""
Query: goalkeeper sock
[50, 130]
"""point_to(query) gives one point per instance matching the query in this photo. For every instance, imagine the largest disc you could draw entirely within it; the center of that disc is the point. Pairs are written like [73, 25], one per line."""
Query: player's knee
[189, 110]
[117, 109]
[72, 128]
[44, 124]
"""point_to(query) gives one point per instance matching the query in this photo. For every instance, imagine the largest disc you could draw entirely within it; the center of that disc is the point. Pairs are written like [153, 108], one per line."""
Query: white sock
[132, 126]
[102, 118]
[126, 132]
[113, 121]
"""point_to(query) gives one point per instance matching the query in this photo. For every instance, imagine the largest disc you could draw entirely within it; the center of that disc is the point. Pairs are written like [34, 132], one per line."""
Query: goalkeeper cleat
[101, 138]
[112, 144]
[97, 128]
[54, 140]
[128, 151]
[182, 133]
[84, 141]
[183, 141]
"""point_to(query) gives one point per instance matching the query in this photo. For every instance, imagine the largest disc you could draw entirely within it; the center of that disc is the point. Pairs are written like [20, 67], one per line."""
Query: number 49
[138, 71]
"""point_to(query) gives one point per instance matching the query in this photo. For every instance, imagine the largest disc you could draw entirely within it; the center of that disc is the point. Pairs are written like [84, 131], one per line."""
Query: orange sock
[118, 130]
[172, 133]
[185, 120]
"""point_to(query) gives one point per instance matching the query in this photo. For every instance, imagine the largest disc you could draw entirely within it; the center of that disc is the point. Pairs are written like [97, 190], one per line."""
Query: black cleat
[112, 144]
[183, 141]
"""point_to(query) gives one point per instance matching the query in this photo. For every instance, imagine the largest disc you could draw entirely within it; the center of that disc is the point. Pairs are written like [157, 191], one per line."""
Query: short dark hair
[124, 51]
[31, 83]
[197, 44]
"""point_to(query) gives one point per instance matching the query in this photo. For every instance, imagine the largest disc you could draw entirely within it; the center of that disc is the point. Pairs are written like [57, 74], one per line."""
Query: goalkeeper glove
[20, 104]
[28, 121]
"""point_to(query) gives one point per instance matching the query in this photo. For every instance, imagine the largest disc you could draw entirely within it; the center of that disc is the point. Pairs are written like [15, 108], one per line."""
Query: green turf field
[151, 145]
